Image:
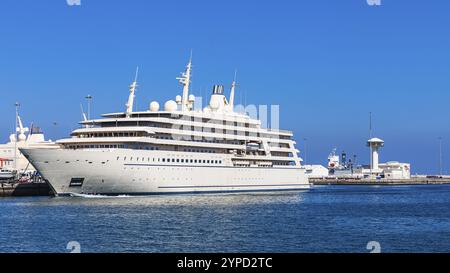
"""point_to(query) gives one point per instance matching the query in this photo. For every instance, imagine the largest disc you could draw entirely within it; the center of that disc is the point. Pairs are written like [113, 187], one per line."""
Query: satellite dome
[191, 97]
[154, 106]
[214, 104]
[22, 137]
[375, 140]
[170, 106]
[12, 138]
[178, 99]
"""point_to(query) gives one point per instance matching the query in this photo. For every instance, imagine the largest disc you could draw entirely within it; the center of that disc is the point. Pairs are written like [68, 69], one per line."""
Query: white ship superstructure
[177, 149]
[11, 159]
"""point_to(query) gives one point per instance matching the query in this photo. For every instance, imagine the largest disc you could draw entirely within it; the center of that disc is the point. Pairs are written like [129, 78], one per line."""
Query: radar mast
[131, 96]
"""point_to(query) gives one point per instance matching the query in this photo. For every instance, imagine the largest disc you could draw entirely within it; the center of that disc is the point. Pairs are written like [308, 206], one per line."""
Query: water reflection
[324, 219]
[167, 200]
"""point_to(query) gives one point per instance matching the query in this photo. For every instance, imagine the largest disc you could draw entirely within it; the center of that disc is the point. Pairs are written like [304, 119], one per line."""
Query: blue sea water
[323, 219]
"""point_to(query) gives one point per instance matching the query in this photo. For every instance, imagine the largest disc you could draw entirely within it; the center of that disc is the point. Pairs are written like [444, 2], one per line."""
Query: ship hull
[134, 172]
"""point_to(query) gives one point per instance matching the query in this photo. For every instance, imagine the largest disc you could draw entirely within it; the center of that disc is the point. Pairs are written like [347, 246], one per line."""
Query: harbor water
[323, 219]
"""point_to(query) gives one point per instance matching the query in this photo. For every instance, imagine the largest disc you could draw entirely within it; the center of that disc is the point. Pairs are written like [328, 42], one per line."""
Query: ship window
[178, 160]
[182, 160]
[173, 159]
[163, 160]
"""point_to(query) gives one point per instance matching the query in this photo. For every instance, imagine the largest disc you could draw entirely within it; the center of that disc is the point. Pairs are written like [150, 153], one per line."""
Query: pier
[415, 180]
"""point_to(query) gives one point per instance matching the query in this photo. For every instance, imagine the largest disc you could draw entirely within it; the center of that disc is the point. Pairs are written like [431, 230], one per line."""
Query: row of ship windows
[112, 146]
[136, 147]
[169, 124]
[192, 127]
[141, 134]
[199, 151]
[173, 160]
[208, 140]
[168, 137]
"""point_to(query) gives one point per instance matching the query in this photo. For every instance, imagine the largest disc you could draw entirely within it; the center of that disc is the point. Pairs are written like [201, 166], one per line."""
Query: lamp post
[440, 156]
[15, 135]
[305, 143]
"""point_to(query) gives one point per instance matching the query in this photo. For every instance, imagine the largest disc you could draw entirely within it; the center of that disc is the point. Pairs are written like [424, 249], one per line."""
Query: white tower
[185, 80]
[374, 144]
[233, 87]
[130, 101]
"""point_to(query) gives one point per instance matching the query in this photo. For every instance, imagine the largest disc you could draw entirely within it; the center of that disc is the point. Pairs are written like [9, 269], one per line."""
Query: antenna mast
[15, 135]
[185, 80]
[233, 87]
[83, 115]
[131, 96]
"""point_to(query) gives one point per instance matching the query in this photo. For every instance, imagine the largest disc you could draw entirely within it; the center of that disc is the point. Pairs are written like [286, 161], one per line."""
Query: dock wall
[24, 189]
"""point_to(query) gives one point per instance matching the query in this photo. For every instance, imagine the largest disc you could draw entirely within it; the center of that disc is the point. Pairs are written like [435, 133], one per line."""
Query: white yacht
[12, 161]
[179, 149]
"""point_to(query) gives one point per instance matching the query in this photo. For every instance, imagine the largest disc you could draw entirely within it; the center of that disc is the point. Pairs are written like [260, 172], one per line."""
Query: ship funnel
[217, 89]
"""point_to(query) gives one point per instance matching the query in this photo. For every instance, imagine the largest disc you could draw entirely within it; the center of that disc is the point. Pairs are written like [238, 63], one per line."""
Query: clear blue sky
[327, 63]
